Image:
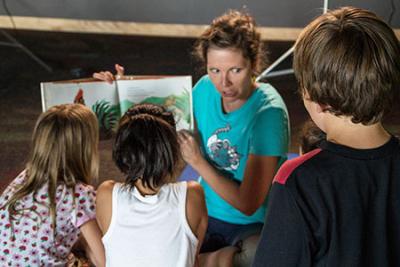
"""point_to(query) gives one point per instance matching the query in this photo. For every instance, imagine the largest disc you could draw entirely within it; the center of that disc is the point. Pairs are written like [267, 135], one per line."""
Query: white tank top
[150, 230]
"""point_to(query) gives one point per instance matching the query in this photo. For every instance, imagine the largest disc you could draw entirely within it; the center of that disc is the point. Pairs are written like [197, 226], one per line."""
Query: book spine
[43, 96]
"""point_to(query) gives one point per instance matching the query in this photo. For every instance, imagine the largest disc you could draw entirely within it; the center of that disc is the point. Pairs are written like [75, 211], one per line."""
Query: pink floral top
[34, 242]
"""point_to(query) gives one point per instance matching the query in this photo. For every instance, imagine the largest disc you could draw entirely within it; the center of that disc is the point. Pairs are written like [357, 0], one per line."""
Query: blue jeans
[222, 234]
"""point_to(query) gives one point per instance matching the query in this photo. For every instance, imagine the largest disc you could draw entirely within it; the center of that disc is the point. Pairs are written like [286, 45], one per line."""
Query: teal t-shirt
[259, 127]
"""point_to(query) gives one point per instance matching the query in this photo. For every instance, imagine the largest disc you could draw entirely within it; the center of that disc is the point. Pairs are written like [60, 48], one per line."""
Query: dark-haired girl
[150, 219]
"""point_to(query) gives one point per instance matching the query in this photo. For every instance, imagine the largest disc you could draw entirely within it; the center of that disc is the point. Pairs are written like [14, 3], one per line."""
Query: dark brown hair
[348, 60]
[233, 30]
[146, 146]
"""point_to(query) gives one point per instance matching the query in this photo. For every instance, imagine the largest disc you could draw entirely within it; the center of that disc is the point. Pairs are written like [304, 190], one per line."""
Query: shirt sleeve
[200, 95]
[19, 180]
[85, 199]
[283, 239]
[270, 135]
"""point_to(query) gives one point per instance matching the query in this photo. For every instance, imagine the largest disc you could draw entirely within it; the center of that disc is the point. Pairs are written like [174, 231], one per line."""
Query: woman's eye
[236, 70]
[212, 70]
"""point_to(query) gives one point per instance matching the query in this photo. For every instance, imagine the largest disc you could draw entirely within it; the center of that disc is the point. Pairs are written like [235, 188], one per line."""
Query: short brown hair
[233, 29]
[349, 60]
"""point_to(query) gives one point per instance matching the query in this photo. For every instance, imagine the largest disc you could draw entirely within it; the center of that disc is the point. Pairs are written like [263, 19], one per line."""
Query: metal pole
[276, 63]
[267, 72]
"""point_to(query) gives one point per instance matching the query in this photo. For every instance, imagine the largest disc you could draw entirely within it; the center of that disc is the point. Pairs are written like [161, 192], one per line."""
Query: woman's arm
[247, 196]
[93, 246]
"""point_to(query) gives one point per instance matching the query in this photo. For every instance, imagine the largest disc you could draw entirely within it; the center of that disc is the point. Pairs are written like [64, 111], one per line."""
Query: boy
[339, 205]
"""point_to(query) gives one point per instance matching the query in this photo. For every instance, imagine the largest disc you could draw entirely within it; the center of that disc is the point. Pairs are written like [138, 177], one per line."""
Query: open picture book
[110, 101]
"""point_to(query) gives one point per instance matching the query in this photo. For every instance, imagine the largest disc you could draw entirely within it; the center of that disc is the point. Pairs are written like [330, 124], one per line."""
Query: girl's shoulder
[195, 193]
[19, 180]
[106, 187]
[12, 187]
[80, 193]
[80, 198]
[189, 191]
[84, 189]
[105, 192]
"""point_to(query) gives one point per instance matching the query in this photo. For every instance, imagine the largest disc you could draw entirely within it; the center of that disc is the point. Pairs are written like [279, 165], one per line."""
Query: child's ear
[305, 94]
[321, 108]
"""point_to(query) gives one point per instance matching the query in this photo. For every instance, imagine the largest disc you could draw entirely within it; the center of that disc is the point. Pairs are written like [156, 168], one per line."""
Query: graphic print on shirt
[222, 152]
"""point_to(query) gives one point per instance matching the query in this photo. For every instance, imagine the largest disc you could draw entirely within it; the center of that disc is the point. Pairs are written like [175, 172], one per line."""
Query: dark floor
[79, 55]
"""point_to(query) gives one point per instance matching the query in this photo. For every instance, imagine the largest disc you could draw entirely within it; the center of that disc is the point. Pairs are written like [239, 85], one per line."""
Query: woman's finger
[108, 76]
[182, 139]
[98, 76]
[104, 76]
[120, 70]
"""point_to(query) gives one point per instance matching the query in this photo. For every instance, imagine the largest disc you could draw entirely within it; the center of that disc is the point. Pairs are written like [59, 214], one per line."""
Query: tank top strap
[182, 188]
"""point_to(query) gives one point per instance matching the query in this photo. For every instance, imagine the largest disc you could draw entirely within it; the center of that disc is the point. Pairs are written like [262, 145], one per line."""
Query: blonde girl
[46, 207]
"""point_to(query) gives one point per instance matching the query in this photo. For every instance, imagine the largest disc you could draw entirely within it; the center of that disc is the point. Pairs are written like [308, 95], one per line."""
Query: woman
[243, 133]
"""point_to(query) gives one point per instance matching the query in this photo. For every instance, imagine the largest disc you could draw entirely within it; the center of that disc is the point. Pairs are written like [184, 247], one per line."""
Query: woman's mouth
[228, 94]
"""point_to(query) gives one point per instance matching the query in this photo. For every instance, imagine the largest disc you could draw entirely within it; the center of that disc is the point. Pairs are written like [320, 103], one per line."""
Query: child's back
[339, 205]
[149, 220]
[46, 208]
[32, 239]
[150, 230]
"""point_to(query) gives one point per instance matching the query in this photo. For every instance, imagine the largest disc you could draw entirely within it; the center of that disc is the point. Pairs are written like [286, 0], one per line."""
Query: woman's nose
[226, 80]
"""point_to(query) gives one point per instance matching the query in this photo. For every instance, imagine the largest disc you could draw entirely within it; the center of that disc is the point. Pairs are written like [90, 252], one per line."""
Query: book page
[87, 93]
[110, 101]
[174, 93]
[101, 97]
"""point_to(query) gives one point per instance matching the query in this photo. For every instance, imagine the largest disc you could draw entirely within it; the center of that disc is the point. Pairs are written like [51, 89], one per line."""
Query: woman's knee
[247, 249]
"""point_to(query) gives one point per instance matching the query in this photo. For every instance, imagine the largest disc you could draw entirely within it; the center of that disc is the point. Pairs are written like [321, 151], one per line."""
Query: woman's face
[231, 74]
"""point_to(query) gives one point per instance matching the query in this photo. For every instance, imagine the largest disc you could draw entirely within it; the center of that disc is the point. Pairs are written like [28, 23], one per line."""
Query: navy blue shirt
[335, 206]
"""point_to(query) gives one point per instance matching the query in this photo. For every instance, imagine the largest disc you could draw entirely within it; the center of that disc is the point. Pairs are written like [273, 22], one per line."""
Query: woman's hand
[189, 148]
[247, 196]
[108, 76]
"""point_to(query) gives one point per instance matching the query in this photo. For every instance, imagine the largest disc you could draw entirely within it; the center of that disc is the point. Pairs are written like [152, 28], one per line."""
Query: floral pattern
[31, 240]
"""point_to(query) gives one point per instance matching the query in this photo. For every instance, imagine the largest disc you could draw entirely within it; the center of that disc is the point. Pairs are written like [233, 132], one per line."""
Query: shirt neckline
[150, 199]
[372, 153]
[243, 108]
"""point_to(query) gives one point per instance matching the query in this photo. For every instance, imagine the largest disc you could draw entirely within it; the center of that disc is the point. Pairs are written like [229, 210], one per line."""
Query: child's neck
[342, 131]
[144, 190]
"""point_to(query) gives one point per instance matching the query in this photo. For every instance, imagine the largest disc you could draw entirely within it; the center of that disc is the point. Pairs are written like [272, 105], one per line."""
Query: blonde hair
[64, 151]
